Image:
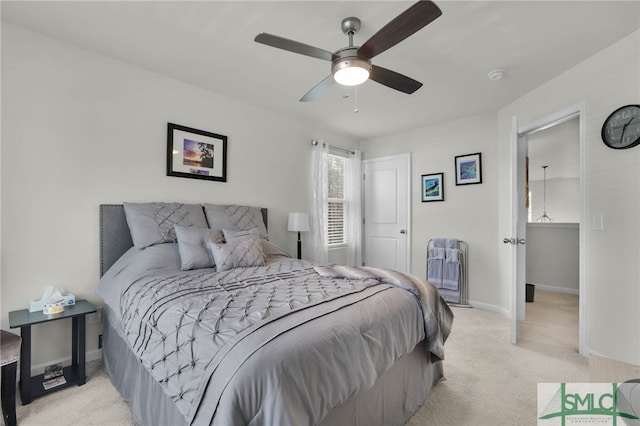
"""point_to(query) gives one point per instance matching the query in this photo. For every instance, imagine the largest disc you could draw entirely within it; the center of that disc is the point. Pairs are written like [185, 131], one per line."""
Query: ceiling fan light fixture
[351, 72]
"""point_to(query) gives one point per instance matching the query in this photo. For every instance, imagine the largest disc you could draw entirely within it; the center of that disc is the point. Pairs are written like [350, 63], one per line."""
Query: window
[336, 202]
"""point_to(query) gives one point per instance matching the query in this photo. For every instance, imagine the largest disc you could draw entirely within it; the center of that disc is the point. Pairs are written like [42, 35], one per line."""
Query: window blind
[336, 201]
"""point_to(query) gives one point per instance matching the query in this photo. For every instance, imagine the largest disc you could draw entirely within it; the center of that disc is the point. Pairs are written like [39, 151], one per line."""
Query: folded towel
[439, 242]
[451, 243]
[451, 255]
[437, 253]
[451, 270]
[434, 270]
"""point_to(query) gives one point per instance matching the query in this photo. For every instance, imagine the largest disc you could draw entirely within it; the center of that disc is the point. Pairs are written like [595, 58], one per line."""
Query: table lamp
[298, 222]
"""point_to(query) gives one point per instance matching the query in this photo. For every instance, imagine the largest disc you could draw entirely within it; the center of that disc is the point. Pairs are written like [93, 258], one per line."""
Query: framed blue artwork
[469, 169]
[433, 187]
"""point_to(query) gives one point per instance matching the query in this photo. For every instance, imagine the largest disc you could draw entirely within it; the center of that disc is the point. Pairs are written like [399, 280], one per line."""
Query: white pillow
[240, 254]
[192, 245]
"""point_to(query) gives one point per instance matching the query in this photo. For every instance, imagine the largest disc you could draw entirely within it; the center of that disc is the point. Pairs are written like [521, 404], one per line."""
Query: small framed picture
[196, 154]
[433, 187]
[469, 169]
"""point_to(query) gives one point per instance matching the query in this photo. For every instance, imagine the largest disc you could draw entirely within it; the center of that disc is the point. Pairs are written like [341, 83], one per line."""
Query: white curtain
[319, 250]
[353, 218]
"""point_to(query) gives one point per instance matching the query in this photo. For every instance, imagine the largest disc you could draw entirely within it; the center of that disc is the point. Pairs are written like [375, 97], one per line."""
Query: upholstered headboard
[115, 238]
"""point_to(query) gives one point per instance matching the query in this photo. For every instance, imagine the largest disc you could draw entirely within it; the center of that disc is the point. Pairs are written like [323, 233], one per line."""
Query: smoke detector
[496, 75]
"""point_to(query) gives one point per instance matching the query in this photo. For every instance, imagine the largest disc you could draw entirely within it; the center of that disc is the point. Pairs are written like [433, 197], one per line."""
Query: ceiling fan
[352, 65]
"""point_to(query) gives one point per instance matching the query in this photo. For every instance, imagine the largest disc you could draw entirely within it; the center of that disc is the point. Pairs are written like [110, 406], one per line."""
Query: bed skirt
[394, 398]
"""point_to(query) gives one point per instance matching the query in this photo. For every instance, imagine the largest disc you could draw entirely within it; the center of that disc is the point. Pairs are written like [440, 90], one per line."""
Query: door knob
[403, 231]
[514, 241]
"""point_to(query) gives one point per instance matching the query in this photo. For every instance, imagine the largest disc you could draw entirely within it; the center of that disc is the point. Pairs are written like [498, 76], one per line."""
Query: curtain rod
[345, 151]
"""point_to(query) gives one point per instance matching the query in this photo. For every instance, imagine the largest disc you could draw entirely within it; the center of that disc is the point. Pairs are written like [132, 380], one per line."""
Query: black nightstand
[75, 374]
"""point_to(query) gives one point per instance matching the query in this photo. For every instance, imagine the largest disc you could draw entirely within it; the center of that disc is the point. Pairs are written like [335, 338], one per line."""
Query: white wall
[553, 256]
[563, 199]
[604, 82]
[80, 129]
[469, 212]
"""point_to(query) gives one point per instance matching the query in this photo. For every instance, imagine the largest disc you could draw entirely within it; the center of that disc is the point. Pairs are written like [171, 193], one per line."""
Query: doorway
[552, 240]
[519, 139]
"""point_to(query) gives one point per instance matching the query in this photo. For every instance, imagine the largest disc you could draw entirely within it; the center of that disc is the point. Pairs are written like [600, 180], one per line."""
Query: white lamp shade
[298, 222]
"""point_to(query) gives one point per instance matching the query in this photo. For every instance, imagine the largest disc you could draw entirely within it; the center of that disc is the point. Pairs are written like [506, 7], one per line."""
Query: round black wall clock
[621, 129]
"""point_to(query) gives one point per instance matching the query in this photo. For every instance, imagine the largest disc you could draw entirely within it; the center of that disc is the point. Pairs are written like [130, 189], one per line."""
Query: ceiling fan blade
[394, 80]
[318, 89]
[404, 25]
[293, 46]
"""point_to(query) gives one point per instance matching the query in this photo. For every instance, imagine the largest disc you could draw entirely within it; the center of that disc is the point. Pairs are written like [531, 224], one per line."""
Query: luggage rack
[460, 296]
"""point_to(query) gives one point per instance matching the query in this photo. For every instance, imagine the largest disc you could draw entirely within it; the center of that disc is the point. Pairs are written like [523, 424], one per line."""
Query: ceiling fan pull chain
[355, 92]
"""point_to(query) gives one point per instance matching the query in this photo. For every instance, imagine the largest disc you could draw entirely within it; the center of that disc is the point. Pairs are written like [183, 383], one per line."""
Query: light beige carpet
[95, 403]
[488, 381]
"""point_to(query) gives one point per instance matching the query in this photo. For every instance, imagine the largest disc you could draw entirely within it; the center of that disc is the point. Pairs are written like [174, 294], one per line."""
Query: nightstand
[75, 374]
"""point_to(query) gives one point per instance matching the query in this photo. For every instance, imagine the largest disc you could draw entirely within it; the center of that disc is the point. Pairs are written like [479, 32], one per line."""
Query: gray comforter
[257, 345]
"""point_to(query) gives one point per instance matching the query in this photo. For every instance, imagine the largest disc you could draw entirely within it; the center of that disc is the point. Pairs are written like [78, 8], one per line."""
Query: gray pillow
[239, 218]
[240, 254]
[235, 236]
[271, 249]
[268, 248]
[153, 223]
[192, 245]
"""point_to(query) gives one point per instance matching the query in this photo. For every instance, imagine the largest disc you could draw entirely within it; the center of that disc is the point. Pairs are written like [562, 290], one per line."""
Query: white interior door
[386, 212]
[518, 228]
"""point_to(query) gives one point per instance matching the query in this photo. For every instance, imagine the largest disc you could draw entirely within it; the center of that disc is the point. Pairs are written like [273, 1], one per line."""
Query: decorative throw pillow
[271, 249]
[153, 223]
[192, 245]
[231, 236]
[234, 217]
[240, 254]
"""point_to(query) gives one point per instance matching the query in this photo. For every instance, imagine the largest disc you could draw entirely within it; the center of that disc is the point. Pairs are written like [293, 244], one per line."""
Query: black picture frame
[468, 169]
[432, 187]
[196, 154]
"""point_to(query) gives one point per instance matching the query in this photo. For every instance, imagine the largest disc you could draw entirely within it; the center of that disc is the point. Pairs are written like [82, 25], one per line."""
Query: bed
[260, 340]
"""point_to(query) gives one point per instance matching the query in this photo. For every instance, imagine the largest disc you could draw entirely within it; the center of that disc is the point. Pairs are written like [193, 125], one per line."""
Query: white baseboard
[492, 308]
[556, 289]
[91, 355]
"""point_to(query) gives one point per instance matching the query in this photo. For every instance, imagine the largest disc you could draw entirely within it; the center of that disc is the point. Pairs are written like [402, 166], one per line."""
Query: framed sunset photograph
[433, 187]
[196, 154]
[469, 169]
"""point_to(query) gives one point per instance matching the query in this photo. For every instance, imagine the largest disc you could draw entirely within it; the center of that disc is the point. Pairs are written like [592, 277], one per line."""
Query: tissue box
[38, 304]
[53, 307]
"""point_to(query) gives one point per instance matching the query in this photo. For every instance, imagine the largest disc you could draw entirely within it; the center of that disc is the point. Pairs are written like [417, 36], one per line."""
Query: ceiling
[210, 44]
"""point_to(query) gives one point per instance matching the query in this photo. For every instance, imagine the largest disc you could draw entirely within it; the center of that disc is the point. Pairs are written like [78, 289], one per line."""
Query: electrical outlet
[95, 317]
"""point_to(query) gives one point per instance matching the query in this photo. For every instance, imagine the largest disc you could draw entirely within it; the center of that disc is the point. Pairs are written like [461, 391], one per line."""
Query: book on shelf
[56, 381]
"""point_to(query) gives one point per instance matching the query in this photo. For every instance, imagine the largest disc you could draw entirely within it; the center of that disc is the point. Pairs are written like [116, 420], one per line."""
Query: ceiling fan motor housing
[350, 25]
